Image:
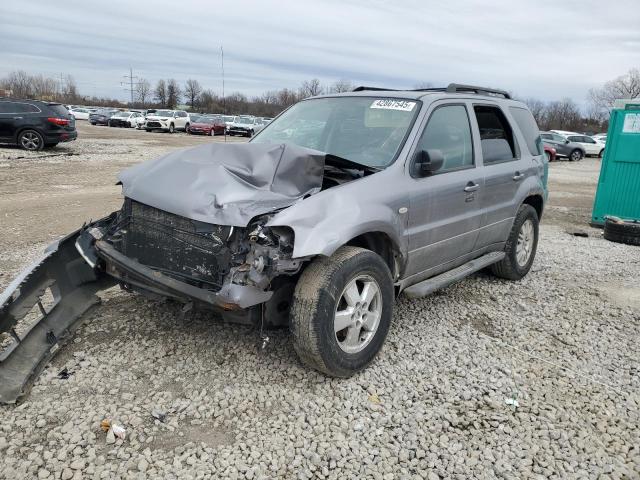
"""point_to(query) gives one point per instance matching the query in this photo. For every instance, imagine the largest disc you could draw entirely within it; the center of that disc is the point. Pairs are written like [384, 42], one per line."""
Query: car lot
[562, 342]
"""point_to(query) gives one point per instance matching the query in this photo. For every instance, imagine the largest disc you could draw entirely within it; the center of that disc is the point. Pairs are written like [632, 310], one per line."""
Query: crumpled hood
[226, 184]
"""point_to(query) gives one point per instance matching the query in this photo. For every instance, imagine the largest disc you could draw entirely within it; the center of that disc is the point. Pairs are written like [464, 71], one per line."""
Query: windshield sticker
[389, 104]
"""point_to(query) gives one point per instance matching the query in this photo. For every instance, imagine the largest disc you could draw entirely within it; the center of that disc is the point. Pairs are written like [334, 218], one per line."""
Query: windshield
[229, 118]
[365, 130]
[163, 113]
[122, 114]
[244, 120]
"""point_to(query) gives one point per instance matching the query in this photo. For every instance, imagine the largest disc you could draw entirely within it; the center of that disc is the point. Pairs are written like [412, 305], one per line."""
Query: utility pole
[224, 100]
[131, 82]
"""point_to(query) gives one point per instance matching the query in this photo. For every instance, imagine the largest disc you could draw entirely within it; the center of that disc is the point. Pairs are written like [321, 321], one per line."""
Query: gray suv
[564, 148]
[339, 205]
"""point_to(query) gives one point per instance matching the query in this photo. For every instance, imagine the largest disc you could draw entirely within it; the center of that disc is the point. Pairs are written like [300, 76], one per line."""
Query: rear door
[445, 213]
[504, 169]
[7, 129]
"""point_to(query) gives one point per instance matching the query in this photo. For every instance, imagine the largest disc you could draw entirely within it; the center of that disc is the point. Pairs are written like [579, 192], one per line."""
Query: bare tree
[538, 110]
[310, 88]
[69, 89]
[173, 93]
[287, 97]
[20, 83]
[340, 86]
[143, 90]
[563, 115]
[160, 93]
[192, 91]
[625, 86]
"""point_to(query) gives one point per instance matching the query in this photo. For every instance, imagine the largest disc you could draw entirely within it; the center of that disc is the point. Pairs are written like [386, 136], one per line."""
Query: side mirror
[427, 162]
[567, 142]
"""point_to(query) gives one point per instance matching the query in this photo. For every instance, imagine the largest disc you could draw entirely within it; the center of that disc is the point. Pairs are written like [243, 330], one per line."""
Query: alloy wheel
[30, 141]
[524, 247]
[358, 314]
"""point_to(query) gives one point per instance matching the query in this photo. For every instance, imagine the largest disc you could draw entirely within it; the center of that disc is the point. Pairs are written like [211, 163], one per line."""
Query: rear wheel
[341, 311]
[30, 140]
[575, 155]
[186, 127]
[601, 154]
[521, 245]
[548, 155]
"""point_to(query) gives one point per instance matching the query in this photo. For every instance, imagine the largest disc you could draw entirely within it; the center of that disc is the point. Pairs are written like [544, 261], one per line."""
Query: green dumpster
[618, 191]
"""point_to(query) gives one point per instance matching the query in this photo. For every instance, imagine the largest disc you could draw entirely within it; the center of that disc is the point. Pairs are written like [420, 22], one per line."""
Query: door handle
[471, 187]
[17, 118]
[518, 176]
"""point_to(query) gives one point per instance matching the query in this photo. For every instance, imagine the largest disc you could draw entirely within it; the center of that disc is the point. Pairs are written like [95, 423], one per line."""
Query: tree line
[562, 114]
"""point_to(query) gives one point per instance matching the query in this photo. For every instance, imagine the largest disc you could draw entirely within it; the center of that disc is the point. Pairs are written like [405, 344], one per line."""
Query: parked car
[206, 125]
[228, 120]
[402, 191]
[601, 138]
[101, 117]
[549, 152]
[80, 113]
[125, 119]
[34, 125]
[168, 121]
[245, 126]
[591, 147]
[564, 148]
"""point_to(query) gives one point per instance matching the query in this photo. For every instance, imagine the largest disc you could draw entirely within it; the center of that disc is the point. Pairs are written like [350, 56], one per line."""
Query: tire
[321, 291]
[622, 232]
[250, 134]
[30, 140]
[212, 133]
[148, 129]
[186, 127]
[172, 128]
[515, 265]
[92, 123]
[548, 155]
[575, 156]
[601, 154]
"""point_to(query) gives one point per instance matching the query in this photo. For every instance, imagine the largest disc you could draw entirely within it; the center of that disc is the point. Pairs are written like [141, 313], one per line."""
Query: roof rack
[375, 89]
[451, 88]
[456, 88]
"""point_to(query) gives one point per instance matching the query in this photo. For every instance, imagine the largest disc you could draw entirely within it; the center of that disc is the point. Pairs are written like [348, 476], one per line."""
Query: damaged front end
[228, 269]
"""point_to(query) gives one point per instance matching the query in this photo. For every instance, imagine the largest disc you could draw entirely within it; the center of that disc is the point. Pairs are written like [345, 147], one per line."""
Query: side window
[448, 131]
[6, 107]
[574, 138]
[558, 138]
[529, 128]
[496, 136]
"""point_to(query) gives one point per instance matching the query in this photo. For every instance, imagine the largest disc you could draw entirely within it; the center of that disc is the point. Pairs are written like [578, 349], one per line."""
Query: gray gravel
[198, 401]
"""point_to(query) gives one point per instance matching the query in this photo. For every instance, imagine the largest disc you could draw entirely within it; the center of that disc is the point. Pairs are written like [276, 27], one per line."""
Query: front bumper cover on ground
[70, 274]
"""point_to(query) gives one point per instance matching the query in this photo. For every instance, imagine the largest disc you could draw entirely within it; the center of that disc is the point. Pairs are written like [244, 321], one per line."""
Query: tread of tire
[627, 233]
[503, 268]
[312, 281]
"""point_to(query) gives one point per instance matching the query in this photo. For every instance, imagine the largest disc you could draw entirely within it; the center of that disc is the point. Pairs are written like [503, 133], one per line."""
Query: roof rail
[375, 89]
[451, 88]
[457, 88]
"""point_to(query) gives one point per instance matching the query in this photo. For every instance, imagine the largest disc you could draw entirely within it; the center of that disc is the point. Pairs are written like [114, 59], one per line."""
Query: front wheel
[521, 245]
[341, 311]
[172, 128]
[31, 140]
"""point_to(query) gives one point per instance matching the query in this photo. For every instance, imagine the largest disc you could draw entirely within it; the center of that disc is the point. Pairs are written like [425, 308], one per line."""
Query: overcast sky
[541, 48]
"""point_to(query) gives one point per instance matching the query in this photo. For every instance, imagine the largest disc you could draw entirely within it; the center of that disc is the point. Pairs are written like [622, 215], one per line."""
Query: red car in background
[207, 126]
[550, 152]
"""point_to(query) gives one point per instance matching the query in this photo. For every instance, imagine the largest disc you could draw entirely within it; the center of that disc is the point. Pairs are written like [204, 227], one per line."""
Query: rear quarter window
[60, 110]
[529, 128]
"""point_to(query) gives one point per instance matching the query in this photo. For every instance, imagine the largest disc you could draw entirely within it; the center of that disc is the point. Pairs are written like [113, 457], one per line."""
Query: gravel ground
[198, 400]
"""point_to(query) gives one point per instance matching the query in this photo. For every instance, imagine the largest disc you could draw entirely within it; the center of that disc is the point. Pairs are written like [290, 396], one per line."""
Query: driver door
[445, 215]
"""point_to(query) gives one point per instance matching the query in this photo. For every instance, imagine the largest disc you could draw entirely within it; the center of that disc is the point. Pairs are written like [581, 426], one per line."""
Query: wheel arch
[28, 127]
[383, 245]
[537, 202]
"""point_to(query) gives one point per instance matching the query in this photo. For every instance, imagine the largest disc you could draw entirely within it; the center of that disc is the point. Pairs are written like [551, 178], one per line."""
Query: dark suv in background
[34, 125]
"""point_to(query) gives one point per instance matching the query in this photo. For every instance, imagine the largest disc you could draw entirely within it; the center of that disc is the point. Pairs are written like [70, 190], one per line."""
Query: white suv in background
[590, 145]
[168, 121]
